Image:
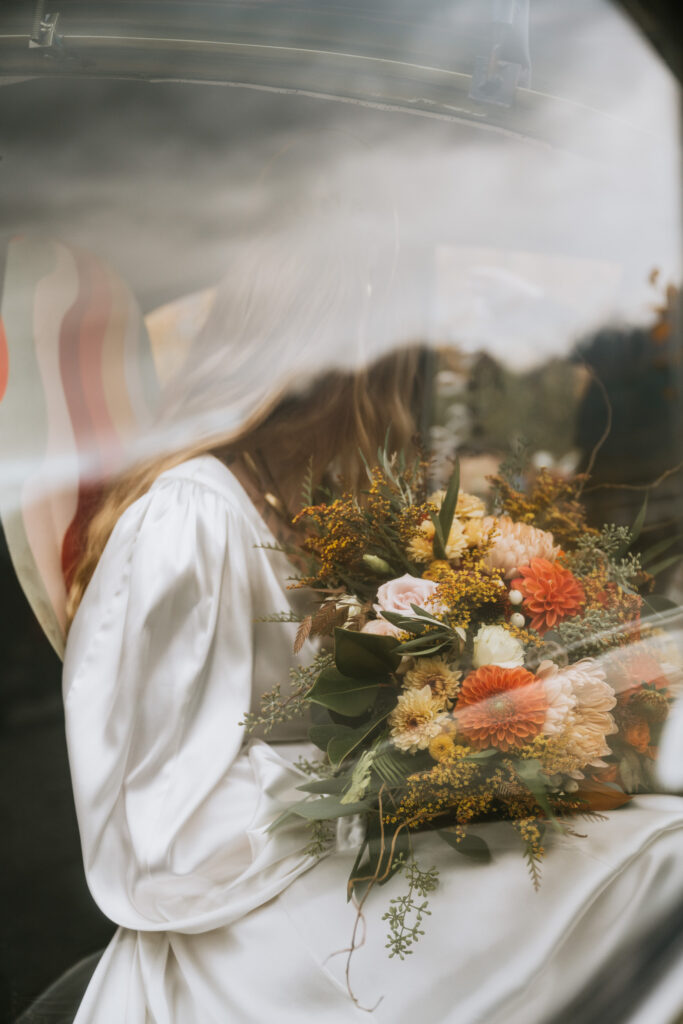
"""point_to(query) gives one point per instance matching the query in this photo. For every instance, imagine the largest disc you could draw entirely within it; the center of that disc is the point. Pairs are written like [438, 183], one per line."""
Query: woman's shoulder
[198, 501]
[181, 535]
[206, 473]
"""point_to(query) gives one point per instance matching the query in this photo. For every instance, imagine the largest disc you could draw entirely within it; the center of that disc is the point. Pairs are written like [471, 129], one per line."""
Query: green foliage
[407, 481]
[469, 845]
[364, 655]
[590, 634]
[444, 519]
[322, 835]
[276, 707]
[324, 808]
[317, 769]
[608, 551]
[406, 913]
[345, 695]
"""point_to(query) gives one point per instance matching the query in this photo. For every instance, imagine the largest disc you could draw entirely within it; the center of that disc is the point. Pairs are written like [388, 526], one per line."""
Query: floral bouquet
[484, 666]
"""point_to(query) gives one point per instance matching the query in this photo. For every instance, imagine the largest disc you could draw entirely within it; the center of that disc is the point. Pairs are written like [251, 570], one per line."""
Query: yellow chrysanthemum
[421, 545]
[442, 747]
[437, 675]
[476, 532]
[416, 720]
[457, 541]
[469, 505]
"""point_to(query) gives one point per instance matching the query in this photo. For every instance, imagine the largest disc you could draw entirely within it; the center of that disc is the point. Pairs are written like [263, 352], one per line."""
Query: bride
[221, 920]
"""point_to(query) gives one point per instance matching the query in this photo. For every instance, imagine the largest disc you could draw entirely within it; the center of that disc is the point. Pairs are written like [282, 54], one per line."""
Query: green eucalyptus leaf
[335, 785]
[408, 624]
[422, 613]
[424, 645]
[326, 808]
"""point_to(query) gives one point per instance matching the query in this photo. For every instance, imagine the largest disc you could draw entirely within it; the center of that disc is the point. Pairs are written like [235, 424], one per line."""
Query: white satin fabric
[221, 921]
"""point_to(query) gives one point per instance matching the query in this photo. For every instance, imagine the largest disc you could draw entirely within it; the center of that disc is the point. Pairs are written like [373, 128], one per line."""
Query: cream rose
[494, 645]
[398, 595]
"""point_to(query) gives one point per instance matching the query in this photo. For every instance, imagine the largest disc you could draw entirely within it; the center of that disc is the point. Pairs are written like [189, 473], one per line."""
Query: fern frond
[389, 768]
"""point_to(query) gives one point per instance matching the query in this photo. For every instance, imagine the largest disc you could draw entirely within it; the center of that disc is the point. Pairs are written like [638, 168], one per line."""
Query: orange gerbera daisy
[550, 592]
[501, 707]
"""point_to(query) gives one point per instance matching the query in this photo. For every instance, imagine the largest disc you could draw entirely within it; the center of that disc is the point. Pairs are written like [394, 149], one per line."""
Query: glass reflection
[340, 167]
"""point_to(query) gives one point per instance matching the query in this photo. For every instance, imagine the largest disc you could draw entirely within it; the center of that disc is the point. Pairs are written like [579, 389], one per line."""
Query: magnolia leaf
[365, 655]
[345, 695]
[601, 796]
[470, 846]
[321, 735]
[342, 745]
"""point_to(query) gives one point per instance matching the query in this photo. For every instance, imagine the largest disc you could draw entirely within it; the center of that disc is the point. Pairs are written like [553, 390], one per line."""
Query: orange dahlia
[501, 707]
[550, 593]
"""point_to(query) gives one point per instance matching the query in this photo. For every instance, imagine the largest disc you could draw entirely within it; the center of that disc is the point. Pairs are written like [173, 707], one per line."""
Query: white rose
[494, 645]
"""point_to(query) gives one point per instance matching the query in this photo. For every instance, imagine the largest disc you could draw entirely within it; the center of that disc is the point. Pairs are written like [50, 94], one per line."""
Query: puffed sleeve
[157, 677]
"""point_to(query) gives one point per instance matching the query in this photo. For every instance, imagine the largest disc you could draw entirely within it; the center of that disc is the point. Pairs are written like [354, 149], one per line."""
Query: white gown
[223, 922]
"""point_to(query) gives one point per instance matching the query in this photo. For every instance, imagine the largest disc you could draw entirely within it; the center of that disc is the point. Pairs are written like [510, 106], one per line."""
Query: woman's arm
[157, 677]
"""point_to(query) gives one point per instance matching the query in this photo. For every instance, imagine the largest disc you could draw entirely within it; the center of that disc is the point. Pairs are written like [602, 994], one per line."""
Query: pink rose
[380, 627]
[398, 595]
